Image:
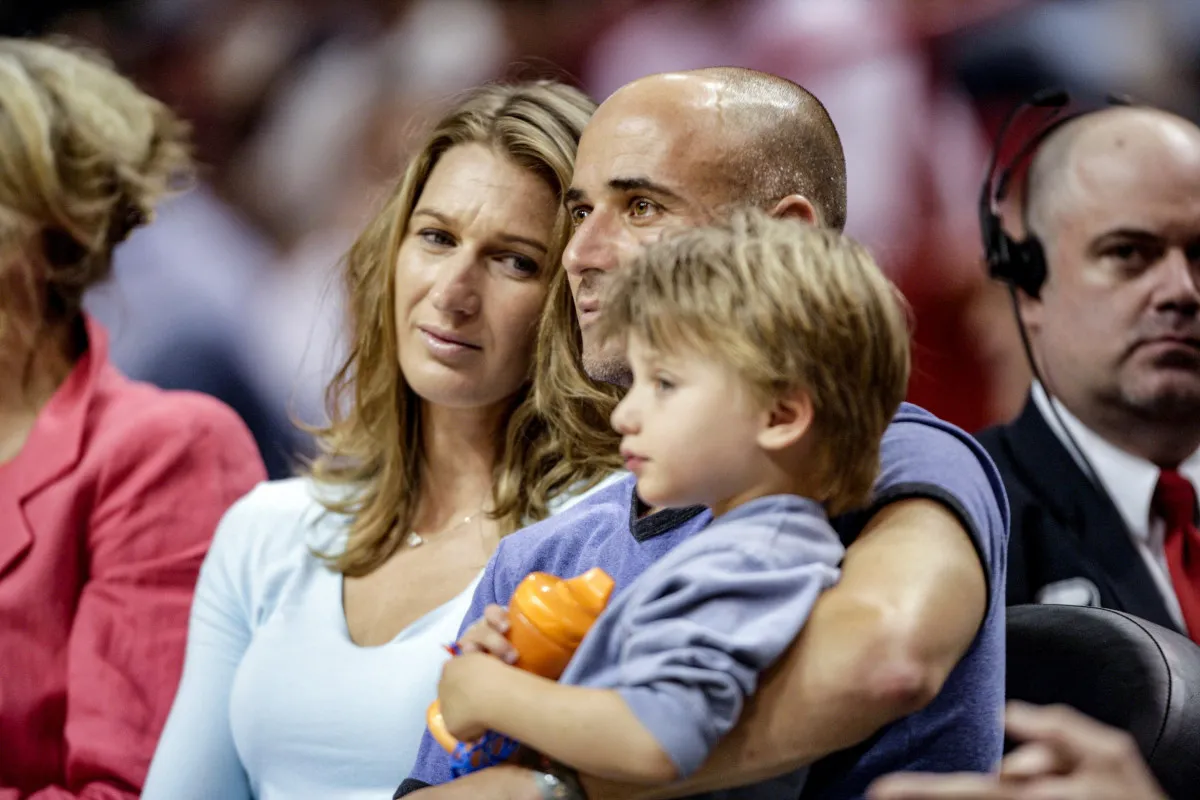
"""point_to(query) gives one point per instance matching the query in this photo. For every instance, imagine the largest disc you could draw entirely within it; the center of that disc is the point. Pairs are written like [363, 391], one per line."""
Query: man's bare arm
[878, 646]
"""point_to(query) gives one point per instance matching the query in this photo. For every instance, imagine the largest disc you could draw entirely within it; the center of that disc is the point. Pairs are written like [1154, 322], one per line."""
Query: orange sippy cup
[547, 619]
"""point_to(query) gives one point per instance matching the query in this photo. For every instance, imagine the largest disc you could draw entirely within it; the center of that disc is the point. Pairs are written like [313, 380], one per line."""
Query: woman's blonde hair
[787, 307]
[372, 446]
[84, 157]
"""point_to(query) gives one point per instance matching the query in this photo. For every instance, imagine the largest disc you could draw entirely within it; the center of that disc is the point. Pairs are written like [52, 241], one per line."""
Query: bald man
[903, 660]
[1114, 199]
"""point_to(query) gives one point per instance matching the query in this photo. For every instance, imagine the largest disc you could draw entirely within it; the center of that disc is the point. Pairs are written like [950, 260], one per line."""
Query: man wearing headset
[1102, 464]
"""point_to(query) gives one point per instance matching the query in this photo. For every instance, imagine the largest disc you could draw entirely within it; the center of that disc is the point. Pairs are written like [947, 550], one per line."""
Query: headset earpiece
[1021, 264]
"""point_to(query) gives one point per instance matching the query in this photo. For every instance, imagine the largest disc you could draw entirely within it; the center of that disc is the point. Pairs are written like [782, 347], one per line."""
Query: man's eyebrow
[640, 184]
[637, 184]
[1123, 234]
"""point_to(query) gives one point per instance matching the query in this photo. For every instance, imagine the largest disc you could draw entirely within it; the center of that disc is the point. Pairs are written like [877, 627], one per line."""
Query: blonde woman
[110, 490]
[319, 623]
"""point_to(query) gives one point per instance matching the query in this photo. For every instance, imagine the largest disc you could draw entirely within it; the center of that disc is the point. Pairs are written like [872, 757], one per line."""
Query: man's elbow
[646, 765]
[898, 677]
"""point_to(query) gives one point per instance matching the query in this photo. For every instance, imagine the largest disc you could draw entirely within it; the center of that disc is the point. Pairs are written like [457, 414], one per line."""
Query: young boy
[768, 358]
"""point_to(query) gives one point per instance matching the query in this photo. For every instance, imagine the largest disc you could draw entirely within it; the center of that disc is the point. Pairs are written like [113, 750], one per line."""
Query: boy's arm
[592, 730]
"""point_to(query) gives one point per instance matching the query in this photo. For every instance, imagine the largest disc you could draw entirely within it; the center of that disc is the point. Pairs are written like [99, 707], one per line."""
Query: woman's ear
[796, 206]
[787, 420]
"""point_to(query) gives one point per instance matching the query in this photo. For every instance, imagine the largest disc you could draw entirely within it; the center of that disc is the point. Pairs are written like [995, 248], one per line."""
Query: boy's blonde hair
[788, 307]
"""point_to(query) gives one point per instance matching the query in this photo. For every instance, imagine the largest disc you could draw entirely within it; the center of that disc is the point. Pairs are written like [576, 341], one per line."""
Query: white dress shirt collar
[1128, 479]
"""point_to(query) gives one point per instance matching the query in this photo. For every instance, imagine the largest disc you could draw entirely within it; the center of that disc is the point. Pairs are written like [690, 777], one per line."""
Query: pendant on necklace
[413, 539]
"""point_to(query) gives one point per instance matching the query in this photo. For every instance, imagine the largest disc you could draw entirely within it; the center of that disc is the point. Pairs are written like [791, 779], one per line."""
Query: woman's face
[471, 277]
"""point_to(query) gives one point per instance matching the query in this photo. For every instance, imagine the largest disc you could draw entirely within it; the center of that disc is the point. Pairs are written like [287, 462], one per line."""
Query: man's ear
[787, 420]
[796, 206]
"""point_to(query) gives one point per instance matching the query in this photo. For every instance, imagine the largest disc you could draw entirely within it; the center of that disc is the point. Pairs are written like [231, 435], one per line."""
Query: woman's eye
[522, 265]
[436, 237]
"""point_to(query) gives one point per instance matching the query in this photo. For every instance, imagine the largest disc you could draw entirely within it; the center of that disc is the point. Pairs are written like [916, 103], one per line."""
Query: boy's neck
[780, 483]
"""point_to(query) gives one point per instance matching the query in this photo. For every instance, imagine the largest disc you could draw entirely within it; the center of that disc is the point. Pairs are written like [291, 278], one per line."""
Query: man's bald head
[1086, 154]
[774, 138]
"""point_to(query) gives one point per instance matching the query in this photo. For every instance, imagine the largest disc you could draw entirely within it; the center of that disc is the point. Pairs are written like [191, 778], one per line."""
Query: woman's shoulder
[278, 522]
[269, 543]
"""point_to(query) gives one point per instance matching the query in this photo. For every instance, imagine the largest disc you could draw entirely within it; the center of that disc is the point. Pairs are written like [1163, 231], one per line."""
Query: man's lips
[586, 309]
[1176, 339]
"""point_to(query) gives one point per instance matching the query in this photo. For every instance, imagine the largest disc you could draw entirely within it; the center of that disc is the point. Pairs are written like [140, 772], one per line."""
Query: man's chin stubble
[608, 370]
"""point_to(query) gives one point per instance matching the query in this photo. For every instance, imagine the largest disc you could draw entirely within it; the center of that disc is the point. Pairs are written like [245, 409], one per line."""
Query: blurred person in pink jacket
[110, 490]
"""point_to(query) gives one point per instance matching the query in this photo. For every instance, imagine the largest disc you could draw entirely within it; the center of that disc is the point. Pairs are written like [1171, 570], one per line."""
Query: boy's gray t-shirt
[684, 644]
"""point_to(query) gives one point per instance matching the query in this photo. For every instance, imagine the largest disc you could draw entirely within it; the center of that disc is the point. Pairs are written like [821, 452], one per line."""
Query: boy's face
[689, 429]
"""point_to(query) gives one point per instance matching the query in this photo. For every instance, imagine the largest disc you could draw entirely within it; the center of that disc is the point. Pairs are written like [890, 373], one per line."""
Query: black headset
[1022, 264]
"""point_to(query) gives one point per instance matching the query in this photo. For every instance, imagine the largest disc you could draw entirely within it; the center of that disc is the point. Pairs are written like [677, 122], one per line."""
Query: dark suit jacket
[1063, 526]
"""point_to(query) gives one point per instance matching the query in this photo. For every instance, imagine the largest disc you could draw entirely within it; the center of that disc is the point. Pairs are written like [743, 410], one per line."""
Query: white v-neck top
[276, 701]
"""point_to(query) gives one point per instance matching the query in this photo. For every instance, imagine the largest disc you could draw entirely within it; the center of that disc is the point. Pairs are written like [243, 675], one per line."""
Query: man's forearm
[877, 647]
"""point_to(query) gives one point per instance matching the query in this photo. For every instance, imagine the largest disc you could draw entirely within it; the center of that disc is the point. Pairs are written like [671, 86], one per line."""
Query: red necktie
[1175, 502]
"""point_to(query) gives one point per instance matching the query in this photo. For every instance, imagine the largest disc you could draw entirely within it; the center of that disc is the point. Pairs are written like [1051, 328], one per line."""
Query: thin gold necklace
[414, 539]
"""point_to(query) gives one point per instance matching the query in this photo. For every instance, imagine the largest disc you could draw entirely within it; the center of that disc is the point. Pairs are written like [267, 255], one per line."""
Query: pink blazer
[105, 516]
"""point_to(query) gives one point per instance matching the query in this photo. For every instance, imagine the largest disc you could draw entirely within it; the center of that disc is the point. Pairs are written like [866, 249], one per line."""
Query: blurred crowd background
[303, 110]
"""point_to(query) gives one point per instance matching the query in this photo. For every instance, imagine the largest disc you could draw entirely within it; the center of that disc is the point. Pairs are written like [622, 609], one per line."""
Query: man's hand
[1065, 756]
[487, 636]
[463, 692]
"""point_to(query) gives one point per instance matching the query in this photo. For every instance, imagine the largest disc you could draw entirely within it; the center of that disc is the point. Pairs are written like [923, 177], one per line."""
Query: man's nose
[1179, 290]
[593, 246]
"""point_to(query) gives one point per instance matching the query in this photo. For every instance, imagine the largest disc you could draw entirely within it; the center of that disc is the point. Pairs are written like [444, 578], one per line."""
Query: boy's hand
[487, 636]
[463, 692]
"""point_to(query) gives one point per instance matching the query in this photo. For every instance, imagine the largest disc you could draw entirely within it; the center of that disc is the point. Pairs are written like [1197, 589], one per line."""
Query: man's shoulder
[921, 449]
[602, 512]
[915, 420]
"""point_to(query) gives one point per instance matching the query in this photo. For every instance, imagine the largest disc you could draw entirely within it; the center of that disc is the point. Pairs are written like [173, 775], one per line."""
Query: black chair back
[1119, 669]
